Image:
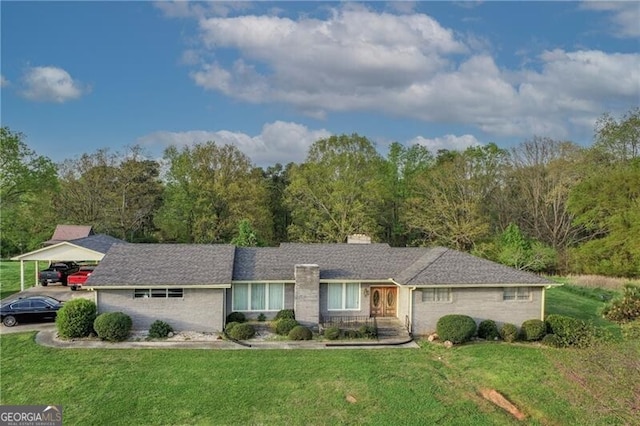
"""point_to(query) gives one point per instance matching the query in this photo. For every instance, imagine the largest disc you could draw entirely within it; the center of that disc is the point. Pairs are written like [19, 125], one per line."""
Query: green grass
[10, 277]
[391, 386]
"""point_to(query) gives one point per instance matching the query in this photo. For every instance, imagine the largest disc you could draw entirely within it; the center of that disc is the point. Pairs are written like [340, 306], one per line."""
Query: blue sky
[273, 77]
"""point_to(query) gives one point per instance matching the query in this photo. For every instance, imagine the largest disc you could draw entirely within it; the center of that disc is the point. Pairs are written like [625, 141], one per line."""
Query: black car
[29, 309]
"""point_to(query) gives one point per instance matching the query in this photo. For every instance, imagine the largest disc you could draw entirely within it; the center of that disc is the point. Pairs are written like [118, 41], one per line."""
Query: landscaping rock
[448, 344]
[351, 399]
[432, 337]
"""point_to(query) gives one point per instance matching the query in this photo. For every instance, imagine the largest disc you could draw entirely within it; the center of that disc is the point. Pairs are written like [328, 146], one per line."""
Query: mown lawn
[10, 277]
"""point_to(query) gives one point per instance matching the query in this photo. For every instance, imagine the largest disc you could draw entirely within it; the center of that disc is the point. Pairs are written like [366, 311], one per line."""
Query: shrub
[113, 326]
[352, 334]
[230, 326]
[509, 333]
[533, 330]
[488, 330]
[285, 325]
[262, 317]
[242, 331]
[332, 333]
[285, 313]
[572, 331]
[300, 332]
[456, 328]
[625, 309]
[75, 318]
[159, 330]
[236, 317]
[631, 330]
[551, 340]
[368, 331]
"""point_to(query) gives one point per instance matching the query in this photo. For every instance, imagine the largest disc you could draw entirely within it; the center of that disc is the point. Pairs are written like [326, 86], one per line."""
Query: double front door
[384, 301]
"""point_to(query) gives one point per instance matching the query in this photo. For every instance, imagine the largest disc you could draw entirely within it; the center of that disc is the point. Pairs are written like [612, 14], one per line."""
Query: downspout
[542, 304]
[411, 310]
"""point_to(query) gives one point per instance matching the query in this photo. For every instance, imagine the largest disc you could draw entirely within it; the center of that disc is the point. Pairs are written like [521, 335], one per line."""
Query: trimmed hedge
[368, 331]
[488, 330]
[332, 333]
[285, 313]
[230, 326]
[75, 318]
[456, 328]
[242, 331]
[626, 308]
[572, 331]
[285, 325]
[551, 340]
[533, 330]
[236, 317]
[300, 332]
[509, 333]
[113, 326]
[160, 330]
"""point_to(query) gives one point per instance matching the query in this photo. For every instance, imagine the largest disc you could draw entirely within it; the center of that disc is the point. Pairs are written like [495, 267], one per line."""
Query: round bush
[533, 330]
[456, 328]
[300, 332]
[242, 331]
[551, 340]
[230, 326]
[236, 317]
[113, 326]
[368, 331]
[160, 330]
[572, 331]
[285, 325]
[488, 329]
[509, 333]
[332, 333]
[75, 318]
[285, 313]
[631, 330]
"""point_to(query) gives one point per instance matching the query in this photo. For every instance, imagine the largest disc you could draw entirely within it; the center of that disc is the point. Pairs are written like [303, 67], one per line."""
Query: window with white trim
[258, 297]
[516, 293]
[343, 296]
[158, 293]
[436, 294]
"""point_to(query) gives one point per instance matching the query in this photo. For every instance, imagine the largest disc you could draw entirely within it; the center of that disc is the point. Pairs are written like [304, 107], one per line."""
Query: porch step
[391, 328]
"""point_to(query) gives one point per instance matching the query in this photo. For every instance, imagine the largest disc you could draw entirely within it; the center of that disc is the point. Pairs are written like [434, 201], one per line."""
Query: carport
[91, 248]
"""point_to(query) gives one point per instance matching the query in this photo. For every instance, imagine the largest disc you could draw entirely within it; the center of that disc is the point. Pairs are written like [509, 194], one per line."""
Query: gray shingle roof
[164, 264]
[100, 242]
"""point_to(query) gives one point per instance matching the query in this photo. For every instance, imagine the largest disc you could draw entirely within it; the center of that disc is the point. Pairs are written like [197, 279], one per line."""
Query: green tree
[247, 236]
[339, 190]
[619, 139]
[28, 183]
[277, 181]
[209, 190]
[520, 252]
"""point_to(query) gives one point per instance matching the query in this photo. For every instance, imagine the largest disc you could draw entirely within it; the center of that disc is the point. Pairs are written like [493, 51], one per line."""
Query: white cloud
[408, 65]
[51, 84]
[3, 81]
[450, 142]
[278, 142]
[624, 15]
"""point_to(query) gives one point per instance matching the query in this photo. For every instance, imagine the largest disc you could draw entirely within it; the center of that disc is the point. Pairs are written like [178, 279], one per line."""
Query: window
[436, 294]
[516, 293]
[162, 293]
[343, 296]
[258, 297]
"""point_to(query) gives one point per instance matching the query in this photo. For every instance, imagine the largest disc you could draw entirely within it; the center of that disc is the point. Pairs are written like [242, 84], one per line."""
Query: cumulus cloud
[449, 142]
[624, 15]
[409, 65]
[51, 84]
[278, 142]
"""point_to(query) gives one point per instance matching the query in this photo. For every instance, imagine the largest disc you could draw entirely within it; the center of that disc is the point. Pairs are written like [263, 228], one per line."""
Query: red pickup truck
[77, 280]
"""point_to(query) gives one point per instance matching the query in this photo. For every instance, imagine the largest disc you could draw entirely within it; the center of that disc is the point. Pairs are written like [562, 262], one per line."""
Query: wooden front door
[384, 301]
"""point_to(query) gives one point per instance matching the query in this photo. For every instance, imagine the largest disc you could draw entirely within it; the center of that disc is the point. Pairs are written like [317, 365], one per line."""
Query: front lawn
[10, 277]
[390, 386]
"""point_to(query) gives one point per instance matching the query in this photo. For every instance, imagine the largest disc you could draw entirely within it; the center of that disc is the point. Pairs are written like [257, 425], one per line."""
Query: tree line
[544, 205]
